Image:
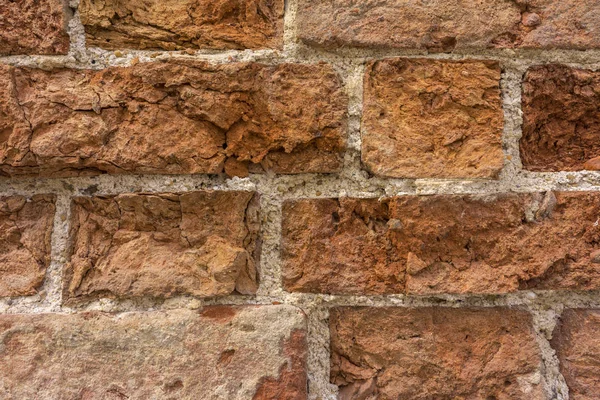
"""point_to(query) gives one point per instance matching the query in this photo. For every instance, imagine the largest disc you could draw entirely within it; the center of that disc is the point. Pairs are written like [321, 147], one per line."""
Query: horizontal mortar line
[302, 54]
[524, 299]
[292, 186]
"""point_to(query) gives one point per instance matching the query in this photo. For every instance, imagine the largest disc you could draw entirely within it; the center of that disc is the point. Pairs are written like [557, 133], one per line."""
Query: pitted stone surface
[177, 354]
[427, 118]
[561, 119]
[441, 353]
[33, 27]
[171, 118]
[180, 24]
[445, 25]
[160, 245]
[495, 243]
[577, 345]
[25, 230]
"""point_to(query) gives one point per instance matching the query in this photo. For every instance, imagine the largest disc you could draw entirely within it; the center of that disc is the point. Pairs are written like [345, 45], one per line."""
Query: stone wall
[253, 199]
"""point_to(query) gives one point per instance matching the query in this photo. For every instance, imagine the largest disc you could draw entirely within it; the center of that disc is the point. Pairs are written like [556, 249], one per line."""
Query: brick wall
[317, 199]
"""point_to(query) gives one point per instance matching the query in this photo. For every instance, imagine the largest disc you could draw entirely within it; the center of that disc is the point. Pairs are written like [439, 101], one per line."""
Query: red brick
[287, 118]
[434, 353]
[219, 352]
[577, 345]
[445, 25]
[427, 118]
[180, 24]
[494, 243]
[25, 243]
[160, 245]
[33, 27]
[561, 121]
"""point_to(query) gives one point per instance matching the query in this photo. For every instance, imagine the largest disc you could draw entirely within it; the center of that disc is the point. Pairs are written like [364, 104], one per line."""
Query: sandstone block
[160, 245]
[561, 119]
[33, 27]
[25, 243]
[287, 118]
[434, 353]
[427, 118]
[495, 243]
[220, 352]
[183, 24]
[445, 25]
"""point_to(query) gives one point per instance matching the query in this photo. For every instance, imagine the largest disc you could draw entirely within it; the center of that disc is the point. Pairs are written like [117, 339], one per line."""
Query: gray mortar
[544, 306]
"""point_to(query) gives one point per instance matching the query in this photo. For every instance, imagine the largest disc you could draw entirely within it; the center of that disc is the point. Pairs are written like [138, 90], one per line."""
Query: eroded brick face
[561, 119]
[159, 245]
[177, 354]
[33, 27]
[180, 24]
[442, 244]
[25, 230]
[427, 353]
[445, 25]
[577, 344]
[287, 118]
[429, 118]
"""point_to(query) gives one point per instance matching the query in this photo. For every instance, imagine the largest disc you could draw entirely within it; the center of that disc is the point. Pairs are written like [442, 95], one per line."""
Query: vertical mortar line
[52, 286]
[76, 31]
[290, 28]
[544, 321]
[353, 78]
[269, 268]
[318, 360]
[510, 85]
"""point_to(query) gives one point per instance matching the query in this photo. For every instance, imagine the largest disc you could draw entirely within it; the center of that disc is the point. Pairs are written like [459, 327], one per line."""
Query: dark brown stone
[561, 119]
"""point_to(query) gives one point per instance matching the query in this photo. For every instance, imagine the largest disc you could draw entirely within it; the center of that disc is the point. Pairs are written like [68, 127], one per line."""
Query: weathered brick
[179, 24]
[430, 118]
[33, 27]
[577, 345]
[287, 118]
[220, 352]
[25, 230]
[561, 121]
[495, 243]
[159, 245]
[434, 353]
[444, 25]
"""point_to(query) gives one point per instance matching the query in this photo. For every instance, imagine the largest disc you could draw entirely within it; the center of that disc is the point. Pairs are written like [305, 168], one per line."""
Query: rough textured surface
[430, 118]
[33, 27]
[177, 24]
[288, 118]
[561, 124]
[199, 243]
[25, 229]
[443, 243]
[178, 354]
[427, 353]
[577, 344]
[444, 25]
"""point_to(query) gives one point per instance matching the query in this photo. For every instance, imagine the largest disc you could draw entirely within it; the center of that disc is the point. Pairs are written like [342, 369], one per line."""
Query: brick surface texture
[174, 25]
[299, 199]
[428, 118]
[445, 25]
[119, 120]
[33, 27]
[167, 354]
[160, 245]
[578, 345]
[440, 353]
